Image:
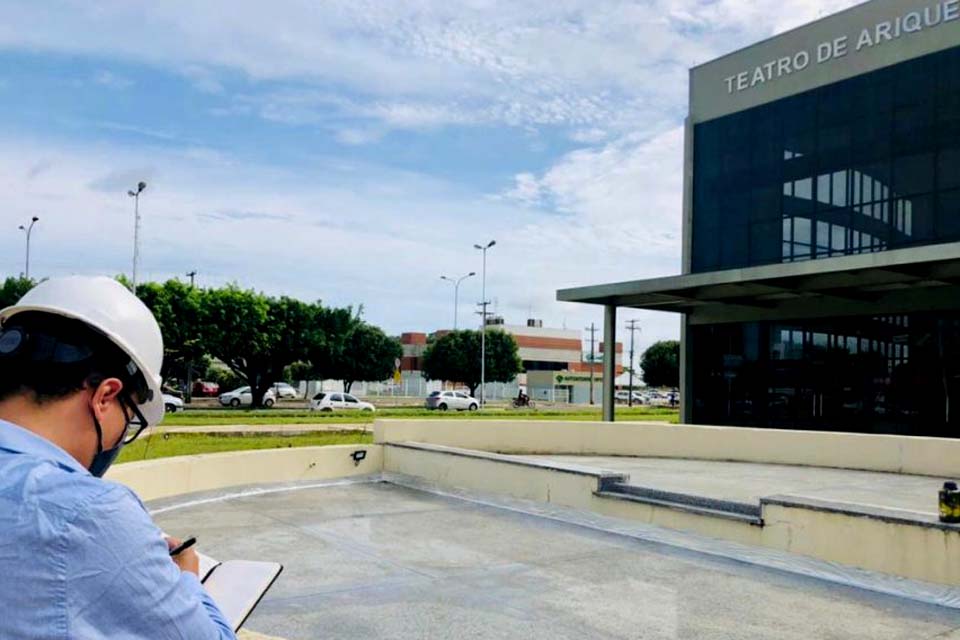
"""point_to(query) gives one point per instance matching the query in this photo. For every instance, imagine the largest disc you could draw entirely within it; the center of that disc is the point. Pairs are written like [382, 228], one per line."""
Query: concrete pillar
[609, 360]
[686, 371]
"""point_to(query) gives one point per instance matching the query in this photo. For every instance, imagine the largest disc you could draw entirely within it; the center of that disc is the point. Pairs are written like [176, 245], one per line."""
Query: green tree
[661, 364]
[178, 308]
[327, 342]
[455, 357]
[368, 354]
[257, 336]
[13, 289]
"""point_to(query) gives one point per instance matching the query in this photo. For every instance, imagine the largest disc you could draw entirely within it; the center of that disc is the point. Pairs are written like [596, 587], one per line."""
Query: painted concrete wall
[896, 454]
[919, 553]
[912, 551]
[490, 476]
[166, 477]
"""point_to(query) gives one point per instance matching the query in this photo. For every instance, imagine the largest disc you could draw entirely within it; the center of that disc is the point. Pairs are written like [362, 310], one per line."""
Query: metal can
[950, 503]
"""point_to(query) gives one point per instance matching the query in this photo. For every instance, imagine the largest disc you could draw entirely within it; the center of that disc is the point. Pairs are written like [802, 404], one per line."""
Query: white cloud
[342, 233]
[610, 74]
[109, 79]
[629, 191]
[572, 63]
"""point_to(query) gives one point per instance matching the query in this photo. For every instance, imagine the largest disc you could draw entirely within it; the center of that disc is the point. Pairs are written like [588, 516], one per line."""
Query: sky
[353, 151]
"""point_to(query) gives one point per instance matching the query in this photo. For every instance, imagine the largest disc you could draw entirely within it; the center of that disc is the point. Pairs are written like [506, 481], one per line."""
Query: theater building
[820, 284]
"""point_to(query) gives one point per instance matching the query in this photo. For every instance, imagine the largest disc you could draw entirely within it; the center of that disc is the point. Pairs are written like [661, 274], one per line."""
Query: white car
[172, 404]
[243, 398]
[456, 400]
[326, 401]
[624, 396]
[285, 391]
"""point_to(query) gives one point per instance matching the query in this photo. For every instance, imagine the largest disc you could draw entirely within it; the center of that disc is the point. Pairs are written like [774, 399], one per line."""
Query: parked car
[172, 404]
[624, 397]
[456, 400]
[205, 389]
[326, 401]
[242, 397]
[284, 391]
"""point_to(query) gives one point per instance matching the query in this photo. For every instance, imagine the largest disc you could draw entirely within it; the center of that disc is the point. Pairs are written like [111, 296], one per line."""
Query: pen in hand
[183, 546]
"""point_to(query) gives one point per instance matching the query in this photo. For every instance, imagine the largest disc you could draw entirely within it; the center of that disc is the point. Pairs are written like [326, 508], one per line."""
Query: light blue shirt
[81, 558]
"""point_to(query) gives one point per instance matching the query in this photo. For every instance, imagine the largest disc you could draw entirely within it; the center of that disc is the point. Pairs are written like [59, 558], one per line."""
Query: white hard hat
[110, 308]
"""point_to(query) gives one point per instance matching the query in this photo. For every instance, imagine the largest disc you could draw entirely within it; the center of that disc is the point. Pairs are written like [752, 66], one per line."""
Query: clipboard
[237, 586]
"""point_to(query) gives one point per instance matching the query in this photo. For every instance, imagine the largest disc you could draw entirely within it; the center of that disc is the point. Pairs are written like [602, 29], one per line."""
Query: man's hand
[187, 560]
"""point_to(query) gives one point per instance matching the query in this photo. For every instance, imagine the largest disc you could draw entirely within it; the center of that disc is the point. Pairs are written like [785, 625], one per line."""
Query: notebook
[237, 586]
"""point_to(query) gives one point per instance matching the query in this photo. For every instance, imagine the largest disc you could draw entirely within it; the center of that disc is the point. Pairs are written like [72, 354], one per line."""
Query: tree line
[258, 337]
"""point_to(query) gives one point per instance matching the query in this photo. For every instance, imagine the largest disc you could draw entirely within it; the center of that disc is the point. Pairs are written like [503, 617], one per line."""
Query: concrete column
[609, 360]
[686, 371]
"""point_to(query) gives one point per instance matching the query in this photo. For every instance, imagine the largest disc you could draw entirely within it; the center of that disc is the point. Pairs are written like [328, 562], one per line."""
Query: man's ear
[103, 396]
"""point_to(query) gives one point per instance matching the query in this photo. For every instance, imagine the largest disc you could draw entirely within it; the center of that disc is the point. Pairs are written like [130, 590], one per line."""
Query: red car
[206, 389]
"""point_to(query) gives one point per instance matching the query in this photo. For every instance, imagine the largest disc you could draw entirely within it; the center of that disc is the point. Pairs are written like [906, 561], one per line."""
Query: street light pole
[136, 228]
[28, 230]
[456, 294]
[632, 326]
[192, 275]
[483, 326]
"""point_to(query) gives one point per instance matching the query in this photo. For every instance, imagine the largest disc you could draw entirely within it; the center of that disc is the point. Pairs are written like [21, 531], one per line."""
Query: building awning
[919, 278]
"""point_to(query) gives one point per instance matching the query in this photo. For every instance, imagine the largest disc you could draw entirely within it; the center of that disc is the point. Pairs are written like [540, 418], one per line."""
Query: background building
[555, 362]
[821, 224]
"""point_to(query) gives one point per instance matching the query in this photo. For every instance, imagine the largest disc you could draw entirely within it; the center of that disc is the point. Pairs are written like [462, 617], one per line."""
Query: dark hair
[50, 357]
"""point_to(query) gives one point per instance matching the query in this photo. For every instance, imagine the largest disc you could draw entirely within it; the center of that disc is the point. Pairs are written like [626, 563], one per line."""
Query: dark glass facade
[866, 164]
[863, 165]
[891, 374]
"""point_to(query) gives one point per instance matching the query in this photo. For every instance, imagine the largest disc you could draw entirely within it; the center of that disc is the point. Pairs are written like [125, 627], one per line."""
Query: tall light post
[136, 228]
[28, 230]
[456, 294]
[483, 325]
[633, 328]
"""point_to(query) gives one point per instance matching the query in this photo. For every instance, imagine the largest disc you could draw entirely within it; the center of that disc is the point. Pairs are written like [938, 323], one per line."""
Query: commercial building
[820, 282]
[556, 366]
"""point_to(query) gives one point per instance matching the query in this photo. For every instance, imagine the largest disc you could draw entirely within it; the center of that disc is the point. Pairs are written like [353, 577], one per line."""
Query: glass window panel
[802, 230]
[823, 237]
[839, 198]
[948, 168]
[913, 174]
[803, 189]
[823, 188]
[838, 238]
[948, 218]
[787, 230]
[734, 250]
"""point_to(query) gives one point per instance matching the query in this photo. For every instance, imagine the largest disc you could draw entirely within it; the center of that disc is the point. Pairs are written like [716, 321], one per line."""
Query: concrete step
[690, 503]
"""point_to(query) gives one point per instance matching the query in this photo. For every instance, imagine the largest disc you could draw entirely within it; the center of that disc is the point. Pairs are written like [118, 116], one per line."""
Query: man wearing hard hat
[79, 556]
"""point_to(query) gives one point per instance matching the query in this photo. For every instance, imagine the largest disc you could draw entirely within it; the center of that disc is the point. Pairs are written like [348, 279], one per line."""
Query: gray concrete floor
[747, 482]
[381, 561]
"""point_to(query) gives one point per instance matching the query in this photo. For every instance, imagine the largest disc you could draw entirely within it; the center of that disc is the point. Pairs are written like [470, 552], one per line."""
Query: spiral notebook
[237, 586]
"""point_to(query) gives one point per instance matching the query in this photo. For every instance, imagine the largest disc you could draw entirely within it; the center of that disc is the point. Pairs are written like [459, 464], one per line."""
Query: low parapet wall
[165, 477]
[897, 454]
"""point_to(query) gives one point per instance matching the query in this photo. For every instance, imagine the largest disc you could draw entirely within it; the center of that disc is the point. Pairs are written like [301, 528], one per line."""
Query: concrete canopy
[875, 283]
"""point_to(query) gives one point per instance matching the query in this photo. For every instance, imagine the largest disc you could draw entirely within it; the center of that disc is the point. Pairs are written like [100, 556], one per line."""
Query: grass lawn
[212, 417]
[163, 445]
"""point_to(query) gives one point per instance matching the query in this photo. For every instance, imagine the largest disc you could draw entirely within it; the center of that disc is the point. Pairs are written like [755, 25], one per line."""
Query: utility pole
[192, 275]
[593, 339]
[136, 229]
[633, 328]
